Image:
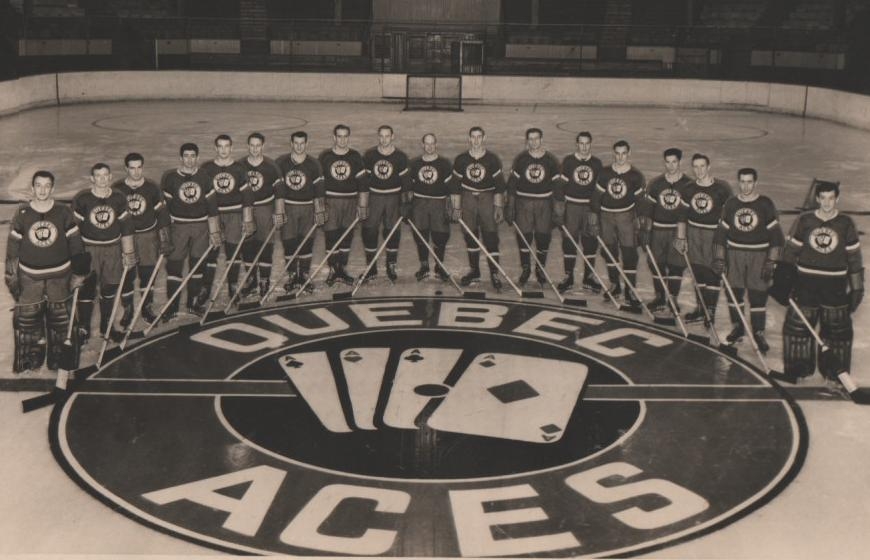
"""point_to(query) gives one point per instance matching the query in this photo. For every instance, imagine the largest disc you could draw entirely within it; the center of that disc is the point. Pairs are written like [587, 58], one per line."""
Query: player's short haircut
[133, 156]
[97, 166]
[220, 137]
[386, 127]
[299, 134]
[432, 134]
[188, 147]
[583, 134]
[534, 130]
[259, 136]
[700, 156]
[673, 152]
[827, 186]
[340, 127]
[621, 144]
[474, 129]
[42, 173]
[748, 171]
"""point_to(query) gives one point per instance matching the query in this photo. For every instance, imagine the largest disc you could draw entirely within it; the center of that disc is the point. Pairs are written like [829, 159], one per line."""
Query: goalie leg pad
[56, 322]
[28, 325]
[798, 345]
[836, 331]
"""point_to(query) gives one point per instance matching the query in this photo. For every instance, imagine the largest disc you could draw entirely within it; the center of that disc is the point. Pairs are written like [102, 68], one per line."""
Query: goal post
[433, 92]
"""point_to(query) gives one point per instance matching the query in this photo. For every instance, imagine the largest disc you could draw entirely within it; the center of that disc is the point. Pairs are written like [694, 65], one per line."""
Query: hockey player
[620, 187]
[301, 192]
[107, 230]
[192, 205]
[235, 208]
[44, 259]
[824, 255]
[580, 172]
[481, 202]
[346, 194]
[700, 210]
[388, 177]
[431, 183]
[658, 226]
[747, 245]
[530, 202]
[151, 221]
[268, 210]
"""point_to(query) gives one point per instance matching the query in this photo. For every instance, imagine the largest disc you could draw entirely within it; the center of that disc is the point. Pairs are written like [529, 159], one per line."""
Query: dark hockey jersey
[299, 183]
[431, 179]
[580, 178]
[702, 206]
[752, 225]
[618, 192]
[44, 242]
[824, 247]
[230, 184]
[145, 204]
[479, 174]
[102, 221]
[261, 179]
[663, 198]
[387, 174]
[189, 197]
[343, 175]
[534, 177]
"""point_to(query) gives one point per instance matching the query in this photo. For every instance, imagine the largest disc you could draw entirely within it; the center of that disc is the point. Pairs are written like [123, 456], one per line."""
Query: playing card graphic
[311, 374]
[364, 372]
[419, 378]
[512, 397]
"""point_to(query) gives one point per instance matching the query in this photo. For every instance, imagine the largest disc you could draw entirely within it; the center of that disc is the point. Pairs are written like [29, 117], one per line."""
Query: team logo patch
[745, 219]
[475, 172]
[102, 216]
[702, 203]
[340, 170]
[295, 179]
[669, 199]
[224, 182]
[824, 240]
[255, 179]
[137, 204]
[445, 427]
[535, 173]
[583, 175]
[617, 188]
[190, 192]
[428, 174]
[383, 169]
[42, 234]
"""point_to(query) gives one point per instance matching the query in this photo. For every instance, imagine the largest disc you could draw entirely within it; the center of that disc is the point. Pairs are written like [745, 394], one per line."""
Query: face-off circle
[365, 427]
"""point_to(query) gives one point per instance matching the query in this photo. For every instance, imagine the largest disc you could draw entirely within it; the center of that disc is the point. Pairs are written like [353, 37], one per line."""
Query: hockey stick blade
[473, 295]
[630, 308]
[576, 302]
[41, 401]
[215, 315]
[286, 297]
[791, 379]
[248, 306]
[860, 396]
[728, 349]
[338, 296]
[670, 321]
[532, 294]
[698, 338]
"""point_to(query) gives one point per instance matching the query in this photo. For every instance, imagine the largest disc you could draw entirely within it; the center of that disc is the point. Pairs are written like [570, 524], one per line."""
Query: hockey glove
[128, 252]
[165, 239]
[249, 226]
[784, 278]
[558, 213]
[454, 206]
[12, 278]
[856, 289]
[362, 210]
[592, 227]
[279, 219]
[767, 270]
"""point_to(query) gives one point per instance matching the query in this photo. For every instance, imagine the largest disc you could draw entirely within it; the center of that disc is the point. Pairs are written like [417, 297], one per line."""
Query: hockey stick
[671, 303]
[362, 278]
[224, 275]
[142, 299]
[289, 262]
[329, 253]
[177, 291]
[857, 394]
[624, 277]
[711, 328]
[773, 374]
[435, 256]
[115, 304]
[540, 267]
[69, 351]
[591, 269]
[491, 259]
[241, 285]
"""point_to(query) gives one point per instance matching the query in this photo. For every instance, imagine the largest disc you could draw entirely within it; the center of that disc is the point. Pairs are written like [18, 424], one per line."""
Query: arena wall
[77, 87]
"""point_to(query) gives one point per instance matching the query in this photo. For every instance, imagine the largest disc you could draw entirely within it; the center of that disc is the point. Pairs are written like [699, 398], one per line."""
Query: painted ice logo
[190, 192]
[42, 234]
[255, 179]
[702, 203]
[535, 173]
[475, 172]
[102, 216]
[583, 175]
[428, 174]
[340, 170]
[745, 219]
[824, 240]
[383, 169]
[429, 427]
[669, 199]
[617, 188]
[224, 182]
[137, 204]
[296, 180]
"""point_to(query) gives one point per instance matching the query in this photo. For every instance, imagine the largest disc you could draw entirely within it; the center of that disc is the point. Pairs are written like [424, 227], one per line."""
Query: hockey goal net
[429, 92]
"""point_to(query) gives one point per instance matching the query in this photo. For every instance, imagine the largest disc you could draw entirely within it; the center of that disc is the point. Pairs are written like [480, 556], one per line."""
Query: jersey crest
[255, 179]
[190, 192]
[296, 180]
[428, 174]
[583, 175]
[42, 234]
[137, 204]
[102, 216]
[535, 173]
[824, 240]
[702, 203]
[669, 199]
[383, 169]
[340, 170]
[224, 182]
[617, 188]
[745, 219]
[475, 172]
